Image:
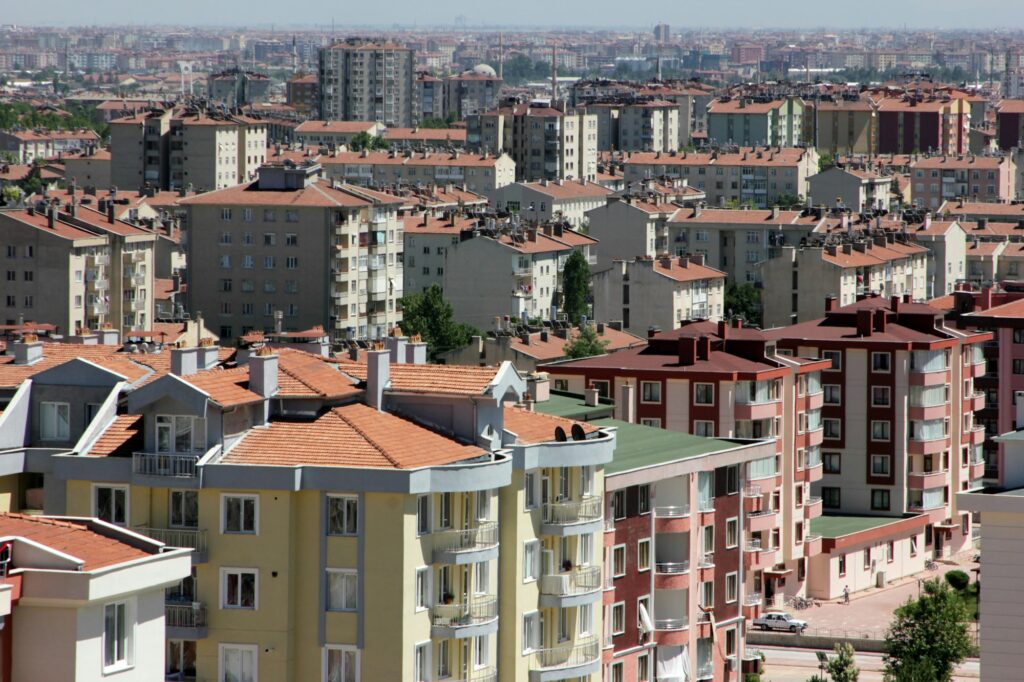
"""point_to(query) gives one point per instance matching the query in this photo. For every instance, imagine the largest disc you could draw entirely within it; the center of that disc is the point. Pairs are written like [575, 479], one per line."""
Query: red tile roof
[446, 379]
[120, 439]
[70, 537]
[226, 387]
[351, 436]
[535, 427]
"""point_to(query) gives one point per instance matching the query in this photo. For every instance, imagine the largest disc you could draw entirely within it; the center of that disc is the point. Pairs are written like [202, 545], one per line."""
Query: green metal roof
[637, 446]
[574, 407]
[838, 525]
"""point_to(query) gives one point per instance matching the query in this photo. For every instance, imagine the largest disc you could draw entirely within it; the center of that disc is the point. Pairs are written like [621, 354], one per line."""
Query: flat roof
[838, 525]
[574, 407]
[638, 447]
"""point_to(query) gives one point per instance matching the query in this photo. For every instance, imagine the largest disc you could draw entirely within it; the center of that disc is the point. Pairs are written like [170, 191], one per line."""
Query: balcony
[927, 447]
[976, 435]
[580, 585]
[99, 308]
[566, 661]
[975, 401]
[813, 507]
[672, 575]
[189, 538]
[99, 284]
[706, 671]
[479, 616]
[672, 519]
[704, 628]
[929, 377]
[756, 556]
[977, 471]
[670, 624]
[762, 520]
[924, 413]
[922, 480]
[812, 545]
[466, 546]
[480, 675]
[752, 491]
[139, 306]
[99, 259]
[185, 620]
[138, 280]
[813, 472]
[572, 517]
[763, 410]
[172, 465]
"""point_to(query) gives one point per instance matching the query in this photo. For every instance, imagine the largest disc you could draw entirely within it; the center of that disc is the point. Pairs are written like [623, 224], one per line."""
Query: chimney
[986, 298]
[110, 212]
[378, 376]
[652, 331]
[697, 259]
[109, 337]
[51, 217]
[704, 348]
[625, 406]
[830, 303]
[894, 304]
[28, 351]
[723, 329]
[416, 353]
[880, 321]
[737, 323]
[863, 323]
[591, 397]
[396, 346]
[263, 371]
[184, 361]
[209, 354]
[687, 349]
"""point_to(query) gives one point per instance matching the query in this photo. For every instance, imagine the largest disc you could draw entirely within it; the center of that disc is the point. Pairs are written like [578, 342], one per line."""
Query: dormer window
[180, 434]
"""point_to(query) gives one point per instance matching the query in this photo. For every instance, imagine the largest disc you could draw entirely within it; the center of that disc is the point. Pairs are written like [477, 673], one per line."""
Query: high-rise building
[662, 33]
[365, 81]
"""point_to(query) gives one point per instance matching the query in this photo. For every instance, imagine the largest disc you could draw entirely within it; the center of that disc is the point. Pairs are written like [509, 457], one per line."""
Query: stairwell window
[117, 633]
[110, 504]
[240, 514]
[342, 590]
[341, 663]
[239, 588]
[342, 515]
[704, 394]
[55, 421]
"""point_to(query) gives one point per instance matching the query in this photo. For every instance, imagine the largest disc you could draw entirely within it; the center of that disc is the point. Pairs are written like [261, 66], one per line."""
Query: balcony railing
[477, 610]
[467, 540]
[673, 511]
[184, 615]
[481, 675]
[752, 491]
[753, 545]
[706, 560]
[755, 599]
[568, 655]
[177, 465]
[580, 580]
[671, 567]
[670, 623]
[703, 616]
[706, 671]
[573, 511]
[191, 538]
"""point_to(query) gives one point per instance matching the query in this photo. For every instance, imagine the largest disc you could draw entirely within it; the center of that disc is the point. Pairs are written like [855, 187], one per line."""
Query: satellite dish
[578, 433]
[560, 434]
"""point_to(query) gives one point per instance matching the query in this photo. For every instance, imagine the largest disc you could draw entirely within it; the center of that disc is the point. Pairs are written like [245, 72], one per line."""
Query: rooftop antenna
[554, 75]
[501, 55]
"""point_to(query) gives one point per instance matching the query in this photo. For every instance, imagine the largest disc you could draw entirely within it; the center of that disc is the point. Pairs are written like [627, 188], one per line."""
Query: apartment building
[237, 87]
[900, 436]
[936, 180]
[29, 145]
[471, 92]
[746, 122]
[334, 133]
[291, 579]
[964, 209]
[425, 138]
[661, 292]
[638, 126]
[546, 143]
[545, 201]
[83, 599]
[293, 245]
[76, 268]
[910, 124]
[803, 280]
[91, 168]
[1001, 515]
[366, 81]
[480, 173]
[675, 548]
[427, 239]
[527, 346]
[860, 190]
[724, 380]
[302, 93]
[511, 271]
[177, 149]
[846, 126]
[428, 97]
[754, 176]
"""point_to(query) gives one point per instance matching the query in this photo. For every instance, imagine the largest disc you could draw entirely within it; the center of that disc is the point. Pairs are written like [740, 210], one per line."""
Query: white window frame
[655, 401]
[881, 371]
[839, 431]
[697, 384]
[639, 543]
[645, 658]
[254, 648]
[888, 396]
[735, 576]
[888, 437]
[129, 637]
[227, 570]
[837, 360]
[653, 422]
[584, 619]
[347, 608]
[328, 648]
[625, 560]
[423, 513]
[419, 674]
[343, 499]
[127, 501]
[735, 522]
[611, 616]
[531, 548]
[706, 425]
[530, 491]
[423, 581]
[535, 632]
[57, 435]
[224, 513]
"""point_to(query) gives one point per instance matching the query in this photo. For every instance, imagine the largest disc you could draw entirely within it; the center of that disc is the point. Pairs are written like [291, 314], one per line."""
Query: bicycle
[931, 565]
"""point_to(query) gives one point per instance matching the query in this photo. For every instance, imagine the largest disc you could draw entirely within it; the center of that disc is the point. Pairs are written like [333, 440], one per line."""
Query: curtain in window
[705, 490]
[761, 468]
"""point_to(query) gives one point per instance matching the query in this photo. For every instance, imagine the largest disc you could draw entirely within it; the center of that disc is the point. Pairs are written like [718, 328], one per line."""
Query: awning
[646, 627]
[673, 664]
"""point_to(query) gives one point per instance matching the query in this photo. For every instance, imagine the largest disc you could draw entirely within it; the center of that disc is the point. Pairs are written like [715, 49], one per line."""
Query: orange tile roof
[688, 273]
[335, 127]
[535, 427]
[569, 189]
[226, 387]
[426, 134]
[446, 379]
[317, 194]
[55, 354]
[554, 347]
[302, 374]
[1013, 309]
[122, 437]
[71, 537]
[351, 436]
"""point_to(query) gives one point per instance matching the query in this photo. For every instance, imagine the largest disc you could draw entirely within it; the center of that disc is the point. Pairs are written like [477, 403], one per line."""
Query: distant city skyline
[1003, 15]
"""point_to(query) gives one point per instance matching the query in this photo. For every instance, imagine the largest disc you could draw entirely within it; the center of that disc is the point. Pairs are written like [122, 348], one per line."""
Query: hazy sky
[1005, 14]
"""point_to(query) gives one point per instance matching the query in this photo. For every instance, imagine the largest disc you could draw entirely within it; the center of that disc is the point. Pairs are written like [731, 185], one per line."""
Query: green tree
[743, 300]
[575, 286]
[367, 141]
[588, 343]
[826, 160]
[434, 122]
[432, 317]
[914, 671]
[11, 195]
[842, 667]
[932, 628]
[789, 201]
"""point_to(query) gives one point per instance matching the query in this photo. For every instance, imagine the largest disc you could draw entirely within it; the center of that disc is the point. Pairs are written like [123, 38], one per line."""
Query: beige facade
[846, 127]
[367, 82]
[334, 133]
[861, 191]
[291, 244]
[89, 170]
[544, 201]
[482, 174]
[648, 127]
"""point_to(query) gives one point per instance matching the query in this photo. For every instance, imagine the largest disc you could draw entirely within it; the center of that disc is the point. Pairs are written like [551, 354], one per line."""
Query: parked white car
[780, 621]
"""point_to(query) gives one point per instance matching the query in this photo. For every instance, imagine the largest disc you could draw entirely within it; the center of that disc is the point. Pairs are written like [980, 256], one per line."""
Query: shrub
[958, 580]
